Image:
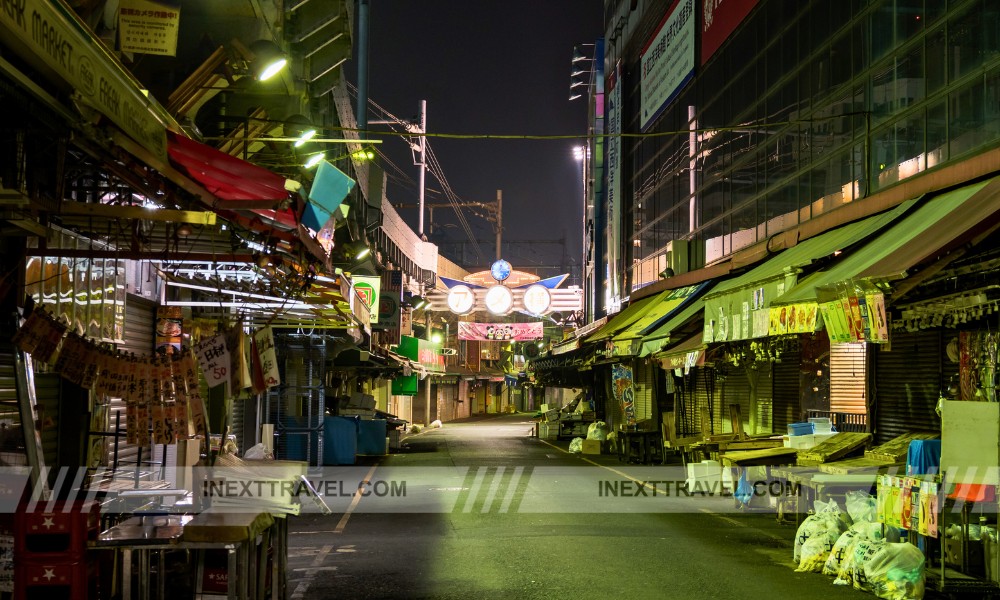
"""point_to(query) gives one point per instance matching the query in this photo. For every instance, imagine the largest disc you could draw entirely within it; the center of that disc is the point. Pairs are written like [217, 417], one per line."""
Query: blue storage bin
[340, 440]
[371, 437]
[800, 429]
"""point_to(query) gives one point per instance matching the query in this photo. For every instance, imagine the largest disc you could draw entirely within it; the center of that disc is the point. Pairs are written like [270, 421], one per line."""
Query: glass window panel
[937, 134]
[966, 119]
[935, 61]
[968, 39]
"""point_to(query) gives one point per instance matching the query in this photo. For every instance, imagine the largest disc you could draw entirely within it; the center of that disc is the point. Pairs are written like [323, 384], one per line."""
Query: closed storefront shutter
[644, 384]
[612, 407]
[785, 406]
[734, 389]
[907, 385]
[847, 378]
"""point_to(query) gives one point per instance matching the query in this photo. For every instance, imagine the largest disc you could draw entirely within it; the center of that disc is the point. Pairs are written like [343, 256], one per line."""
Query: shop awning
[628, 341]
[674, 329]
[240, 185]
[624, 318]
[738, 308]
[937, 225]
[688, 353]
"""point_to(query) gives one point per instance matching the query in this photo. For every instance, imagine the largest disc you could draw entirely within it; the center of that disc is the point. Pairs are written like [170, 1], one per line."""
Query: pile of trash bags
[859, 551]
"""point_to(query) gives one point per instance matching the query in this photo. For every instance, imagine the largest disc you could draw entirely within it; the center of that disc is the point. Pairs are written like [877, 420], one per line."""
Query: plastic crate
[56, 533]
[52, 579]
[800, 429]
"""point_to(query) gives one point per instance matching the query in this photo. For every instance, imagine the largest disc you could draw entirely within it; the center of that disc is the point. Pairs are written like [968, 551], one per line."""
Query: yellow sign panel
[148, 27]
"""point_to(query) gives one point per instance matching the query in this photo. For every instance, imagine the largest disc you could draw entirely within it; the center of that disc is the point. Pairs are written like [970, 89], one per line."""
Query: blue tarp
[923, 457]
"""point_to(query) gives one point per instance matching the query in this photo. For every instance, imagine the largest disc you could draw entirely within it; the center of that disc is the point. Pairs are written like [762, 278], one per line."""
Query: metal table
[234, 532]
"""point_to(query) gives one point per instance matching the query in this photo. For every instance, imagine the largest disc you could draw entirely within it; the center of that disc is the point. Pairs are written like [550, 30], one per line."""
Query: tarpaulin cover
[328, 190]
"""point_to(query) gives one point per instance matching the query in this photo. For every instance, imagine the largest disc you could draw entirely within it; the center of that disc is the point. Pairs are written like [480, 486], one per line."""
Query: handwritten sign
[264, 339]
[213, 358]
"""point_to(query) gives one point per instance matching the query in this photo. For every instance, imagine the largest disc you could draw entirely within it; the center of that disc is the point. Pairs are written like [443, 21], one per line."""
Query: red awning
[231, 179]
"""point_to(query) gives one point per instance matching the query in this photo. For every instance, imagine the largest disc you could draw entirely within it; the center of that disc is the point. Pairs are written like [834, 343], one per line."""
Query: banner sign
[624, 392]
[46, 32]
[389, 304]
[851, 314]
[213, 357]
[718, 20]
[516, 332]
[667, 61]
[793, 318]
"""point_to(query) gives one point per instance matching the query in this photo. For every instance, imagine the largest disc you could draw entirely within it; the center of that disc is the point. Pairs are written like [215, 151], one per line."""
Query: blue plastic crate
[800, 429]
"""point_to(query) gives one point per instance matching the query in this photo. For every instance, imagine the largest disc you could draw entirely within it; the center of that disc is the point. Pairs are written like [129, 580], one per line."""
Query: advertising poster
[168, 329]
[515, 332]
[624, 391]
[667, 61]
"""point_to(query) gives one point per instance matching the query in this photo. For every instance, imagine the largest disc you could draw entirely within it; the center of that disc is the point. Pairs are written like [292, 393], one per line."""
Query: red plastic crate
[54, 535]
[51, 580]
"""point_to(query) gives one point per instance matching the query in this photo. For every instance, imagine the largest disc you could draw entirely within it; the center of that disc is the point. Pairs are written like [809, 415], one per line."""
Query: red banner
[515, 332]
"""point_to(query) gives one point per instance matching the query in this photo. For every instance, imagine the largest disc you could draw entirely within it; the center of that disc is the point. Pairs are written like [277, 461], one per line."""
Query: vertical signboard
[667, 61]
[614, 170]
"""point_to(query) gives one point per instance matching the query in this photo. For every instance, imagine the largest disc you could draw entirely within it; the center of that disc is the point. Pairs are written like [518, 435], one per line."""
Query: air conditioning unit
[674, 257]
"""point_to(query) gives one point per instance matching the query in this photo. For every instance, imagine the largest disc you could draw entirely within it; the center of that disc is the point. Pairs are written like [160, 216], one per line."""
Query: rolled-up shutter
[785, 405]
[644, 384]
[848, 380]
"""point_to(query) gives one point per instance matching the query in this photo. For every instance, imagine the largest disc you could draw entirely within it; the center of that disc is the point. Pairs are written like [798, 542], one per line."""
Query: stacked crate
[50, 550]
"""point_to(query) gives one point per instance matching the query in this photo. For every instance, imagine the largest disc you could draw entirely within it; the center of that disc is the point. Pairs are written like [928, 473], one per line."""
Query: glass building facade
[805, 107]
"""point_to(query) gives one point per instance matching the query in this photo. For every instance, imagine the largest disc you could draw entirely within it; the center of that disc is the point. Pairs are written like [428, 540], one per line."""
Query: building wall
[806, 106]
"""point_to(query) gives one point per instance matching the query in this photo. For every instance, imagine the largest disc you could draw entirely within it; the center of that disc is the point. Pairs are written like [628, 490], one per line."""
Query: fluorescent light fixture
[272, 68]
[305, 137]
[314, 160]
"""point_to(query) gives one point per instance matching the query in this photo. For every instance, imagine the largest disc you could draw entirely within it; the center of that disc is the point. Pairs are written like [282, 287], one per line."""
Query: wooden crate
[895, 449]
[840, 445]
[859, 464]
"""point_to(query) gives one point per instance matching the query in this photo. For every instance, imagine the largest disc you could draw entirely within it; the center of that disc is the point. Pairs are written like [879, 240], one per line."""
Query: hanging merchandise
[264, 339]
[196, 403]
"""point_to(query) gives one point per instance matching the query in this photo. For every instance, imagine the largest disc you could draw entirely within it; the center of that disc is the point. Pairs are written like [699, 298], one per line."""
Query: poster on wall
[168, 329]
[148, 27]
[667, 61]
[622, 380]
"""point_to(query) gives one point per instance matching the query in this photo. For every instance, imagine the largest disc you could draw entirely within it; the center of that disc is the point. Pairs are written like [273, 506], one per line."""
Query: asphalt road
[483, 510]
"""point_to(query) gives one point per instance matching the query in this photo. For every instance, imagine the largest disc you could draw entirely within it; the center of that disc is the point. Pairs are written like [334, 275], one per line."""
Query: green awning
[628, 341]
[625, 318]
[935, 224]
[685, 354]
[737, 309]
[665, 335]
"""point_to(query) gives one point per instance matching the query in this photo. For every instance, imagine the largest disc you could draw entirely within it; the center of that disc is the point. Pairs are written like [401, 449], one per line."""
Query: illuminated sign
[461, 299]
[537, 299]
[499, 300]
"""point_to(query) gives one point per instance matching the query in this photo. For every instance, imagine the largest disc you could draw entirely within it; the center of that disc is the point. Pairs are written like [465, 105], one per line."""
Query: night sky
[488, 67]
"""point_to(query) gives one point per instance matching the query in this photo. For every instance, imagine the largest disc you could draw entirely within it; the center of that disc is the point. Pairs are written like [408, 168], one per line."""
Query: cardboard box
[592, 447]
[953, 556]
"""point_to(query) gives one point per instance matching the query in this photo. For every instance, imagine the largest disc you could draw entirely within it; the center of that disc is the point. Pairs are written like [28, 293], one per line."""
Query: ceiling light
[314, 160]
[268, 59]
[305, 137]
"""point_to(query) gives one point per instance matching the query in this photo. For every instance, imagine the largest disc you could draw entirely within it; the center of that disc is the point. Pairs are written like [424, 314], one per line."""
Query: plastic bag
[816, 549]
[258, 452]
[860, 506]
[436, 423]
[896, 572]
[853, 570]
[828, 524]
[845, 544]
[598, 430]
[826, 507]
[576, 446]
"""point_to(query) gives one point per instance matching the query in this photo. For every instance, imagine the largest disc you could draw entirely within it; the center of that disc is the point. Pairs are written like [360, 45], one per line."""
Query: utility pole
[423, 165]
[499, 221]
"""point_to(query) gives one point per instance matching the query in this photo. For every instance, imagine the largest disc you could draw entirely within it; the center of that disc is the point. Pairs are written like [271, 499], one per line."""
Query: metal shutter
[848, 380]
[734, 389]
[907, 384]
[785, 406]
[644, 384]
[140, 325]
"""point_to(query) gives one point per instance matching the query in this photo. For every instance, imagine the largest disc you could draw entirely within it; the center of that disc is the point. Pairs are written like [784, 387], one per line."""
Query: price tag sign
[268, 359]
[213, 357]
